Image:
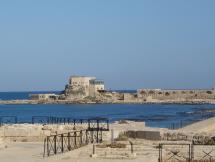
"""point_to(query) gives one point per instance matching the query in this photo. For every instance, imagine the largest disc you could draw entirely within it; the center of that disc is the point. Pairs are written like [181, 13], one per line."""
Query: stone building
[83, 86]
[96, 86]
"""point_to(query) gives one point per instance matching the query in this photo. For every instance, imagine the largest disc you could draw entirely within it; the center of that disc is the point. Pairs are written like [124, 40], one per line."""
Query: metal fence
[57, 120]
[91, 123]
[203, 153]
[174, 152]
[64, 142]
[184, 152]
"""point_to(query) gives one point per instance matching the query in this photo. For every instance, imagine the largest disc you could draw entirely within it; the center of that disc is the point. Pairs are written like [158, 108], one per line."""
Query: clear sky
[128, 43]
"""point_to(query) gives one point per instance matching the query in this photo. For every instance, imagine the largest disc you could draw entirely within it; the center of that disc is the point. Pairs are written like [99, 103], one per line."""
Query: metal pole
[81, 137]
[74, 121]
[94, 149]
[132, 149]
[97, 132]
[86, 137]
[88, 124]
[69, 144]
[75, 134]
[55, 144]
[62, 148]
[48, 151]
[101, 136]
[159, 153]
[189, 154]
[108, 124]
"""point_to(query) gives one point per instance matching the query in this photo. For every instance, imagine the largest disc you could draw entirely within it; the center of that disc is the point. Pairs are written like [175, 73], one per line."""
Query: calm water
[156, 115]
[21, 95]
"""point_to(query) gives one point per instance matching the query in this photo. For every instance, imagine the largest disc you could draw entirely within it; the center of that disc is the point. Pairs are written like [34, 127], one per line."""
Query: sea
[154, 115]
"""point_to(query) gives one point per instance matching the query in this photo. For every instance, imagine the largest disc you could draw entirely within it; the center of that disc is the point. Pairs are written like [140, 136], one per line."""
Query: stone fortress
[83, 86]
[89, 90]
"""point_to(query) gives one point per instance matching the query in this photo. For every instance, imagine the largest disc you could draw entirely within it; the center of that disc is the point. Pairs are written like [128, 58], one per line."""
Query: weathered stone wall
[149, 135]
[175, 94]
[30, 132]
[94, 89]
[73, 92]
[130, 97]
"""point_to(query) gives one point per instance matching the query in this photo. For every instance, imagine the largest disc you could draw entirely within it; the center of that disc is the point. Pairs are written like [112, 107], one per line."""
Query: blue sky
[128, 43]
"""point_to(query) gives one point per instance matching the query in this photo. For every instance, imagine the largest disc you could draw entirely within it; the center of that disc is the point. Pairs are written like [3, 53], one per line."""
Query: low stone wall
[148, 135]
[30, 132]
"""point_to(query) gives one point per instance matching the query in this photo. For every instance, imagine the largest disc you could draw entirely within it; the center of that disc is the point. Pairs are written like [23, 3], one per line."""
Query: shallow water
[155, 115]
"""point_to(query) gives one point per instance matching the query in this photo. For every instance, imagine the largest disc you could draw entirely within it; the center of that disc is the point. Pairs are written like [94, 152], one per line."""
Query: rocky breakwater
[14, 102]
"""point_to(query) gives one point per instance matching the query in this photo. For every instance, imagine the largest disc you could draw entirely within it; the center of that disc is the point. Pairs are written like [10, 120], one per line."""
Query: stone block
[149, 135]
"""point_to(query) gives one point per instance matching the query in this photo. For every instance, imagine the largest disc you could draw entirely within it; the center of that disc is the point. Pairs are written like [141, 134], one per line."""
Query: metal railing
[65, 142]
[92, 124]
[185, 152]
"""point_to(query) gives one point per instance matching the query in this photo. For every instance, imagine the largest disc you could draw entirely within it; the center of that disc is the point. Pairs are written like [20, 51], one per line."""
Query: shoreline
[36, 102]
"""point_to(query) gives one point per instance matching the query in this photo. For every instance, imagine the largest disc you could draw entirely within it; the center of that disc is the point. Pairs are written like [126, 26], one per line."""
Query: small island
[89, 90]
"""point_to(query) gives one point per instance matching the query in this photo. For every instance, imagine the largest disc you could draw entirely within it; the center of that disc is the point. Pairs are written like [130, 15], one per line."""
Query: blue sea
[155, 115]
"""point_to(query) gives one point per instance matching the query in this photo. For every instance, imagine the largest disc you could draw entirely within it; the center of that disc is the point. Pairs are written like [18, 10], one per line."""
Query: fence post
[88, 124]
[94, 150]
[75, 134]
[74, 121]
[62, 149]
[69, 144]
[108, 124]
[44, 148]
[160, 153]
[97, 131]
[48, 151]
[55, 144]
[86, 137]
[190, 152]
[132, 149]
[81, 137]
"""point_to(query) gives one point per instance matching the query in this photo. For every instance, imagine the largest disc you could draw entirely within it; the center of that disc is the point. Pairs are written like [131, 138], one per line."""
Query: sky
[130, 44]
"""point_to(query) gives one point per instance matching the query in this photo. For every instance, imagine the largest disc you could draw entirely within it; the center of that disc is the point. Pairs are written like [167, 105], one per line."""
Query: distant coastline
[89, 90]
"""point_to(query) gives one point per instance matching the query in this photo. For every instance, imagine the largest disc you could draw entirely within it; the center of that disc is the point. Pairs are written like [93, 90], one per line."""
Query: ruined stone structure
[82, 86]
[96, 86]
[43, 96]
[159, 94]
